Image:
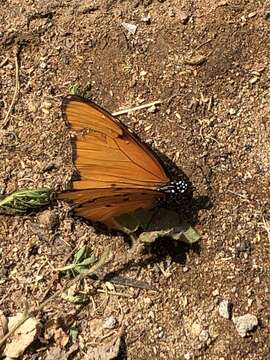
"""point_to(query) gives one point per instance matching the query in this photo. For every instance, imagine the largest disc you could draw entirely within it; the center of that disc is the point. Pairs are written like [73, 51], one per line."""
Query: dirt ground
[208, 62]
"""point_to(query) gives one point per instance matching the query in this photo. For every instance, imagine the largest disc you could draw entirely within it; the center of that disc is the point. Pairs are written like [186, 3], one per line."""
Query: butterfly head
[177, 188]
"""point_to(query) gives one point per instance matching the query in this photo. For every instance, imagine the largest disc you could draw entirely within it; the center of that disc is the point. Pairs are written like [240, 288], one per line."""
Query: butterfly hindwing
[102, 205]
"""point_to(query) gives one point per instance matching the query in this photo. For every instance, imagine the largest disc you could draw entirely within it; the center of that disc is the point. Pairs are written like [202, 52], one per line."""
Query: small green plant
[81, 262]
[76, 89]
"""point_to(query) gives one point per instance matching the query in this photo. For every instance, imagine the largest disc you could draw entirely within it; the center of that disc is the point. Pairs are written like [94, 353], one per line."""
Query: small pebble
[243, 247]
[43, 65]
[204, 335]
[257, 73]
[196, 329]
[131, 28]
[171, 13]
[232, 111]
[245, 323]
[10, 67]
[147, 2]
[184, 17]
[151, 314]
[152, 109]
[225, 309]
[188, 356]
[148, 127]
[49, 219]
[46, 105]
[146, 19]
[148, 301]
[215, 292]
[243, 18]
[110, 323]
[69, 43]
[253, 80]
[185, 269]
[252, 14]
[32, 106]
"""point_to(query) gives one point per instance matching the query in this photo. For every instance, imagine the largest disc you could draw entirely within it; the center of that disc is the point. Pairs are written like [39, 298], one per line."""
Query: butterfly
[118, 173]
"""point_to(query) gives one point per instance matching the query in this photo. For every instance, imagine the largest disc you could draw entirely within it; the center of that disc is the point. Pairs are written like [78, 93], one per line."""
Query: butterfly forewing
[106, 131]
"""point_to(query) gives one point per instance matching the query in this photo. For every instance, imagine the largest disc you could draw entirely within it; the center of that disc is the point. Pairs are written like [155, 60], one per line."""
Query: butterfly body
[118, 173]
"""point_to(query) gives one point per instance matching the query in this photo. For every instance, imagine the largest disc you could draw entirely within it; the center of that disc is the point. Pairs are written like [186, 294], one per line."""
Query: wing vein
[137, 163]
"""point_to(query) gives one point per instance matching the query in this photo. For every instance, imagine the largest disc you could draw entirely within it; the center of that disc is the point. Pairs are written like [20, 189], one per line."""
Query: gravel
[245, 323]
[225, 309]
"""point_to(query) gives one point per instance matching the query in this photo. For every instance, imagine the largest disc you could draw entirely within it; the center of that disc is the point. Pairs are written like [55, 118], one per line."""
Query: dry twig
[17, 88]
[143, 106]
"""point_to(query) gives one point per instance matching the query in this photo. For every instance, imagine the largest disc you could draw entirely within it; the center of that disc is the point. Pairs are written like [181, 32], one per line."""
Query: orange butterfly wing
[104, 205]
[118, 173]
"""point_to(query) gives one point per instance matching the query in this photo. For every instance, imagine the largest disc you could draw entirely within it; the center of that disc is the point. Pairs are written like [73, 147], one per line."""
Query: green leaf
[88, 261]
[75, 299]
[73, 333]
[157, 223]
[23, 201]
[80, 254]
[80, 263]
